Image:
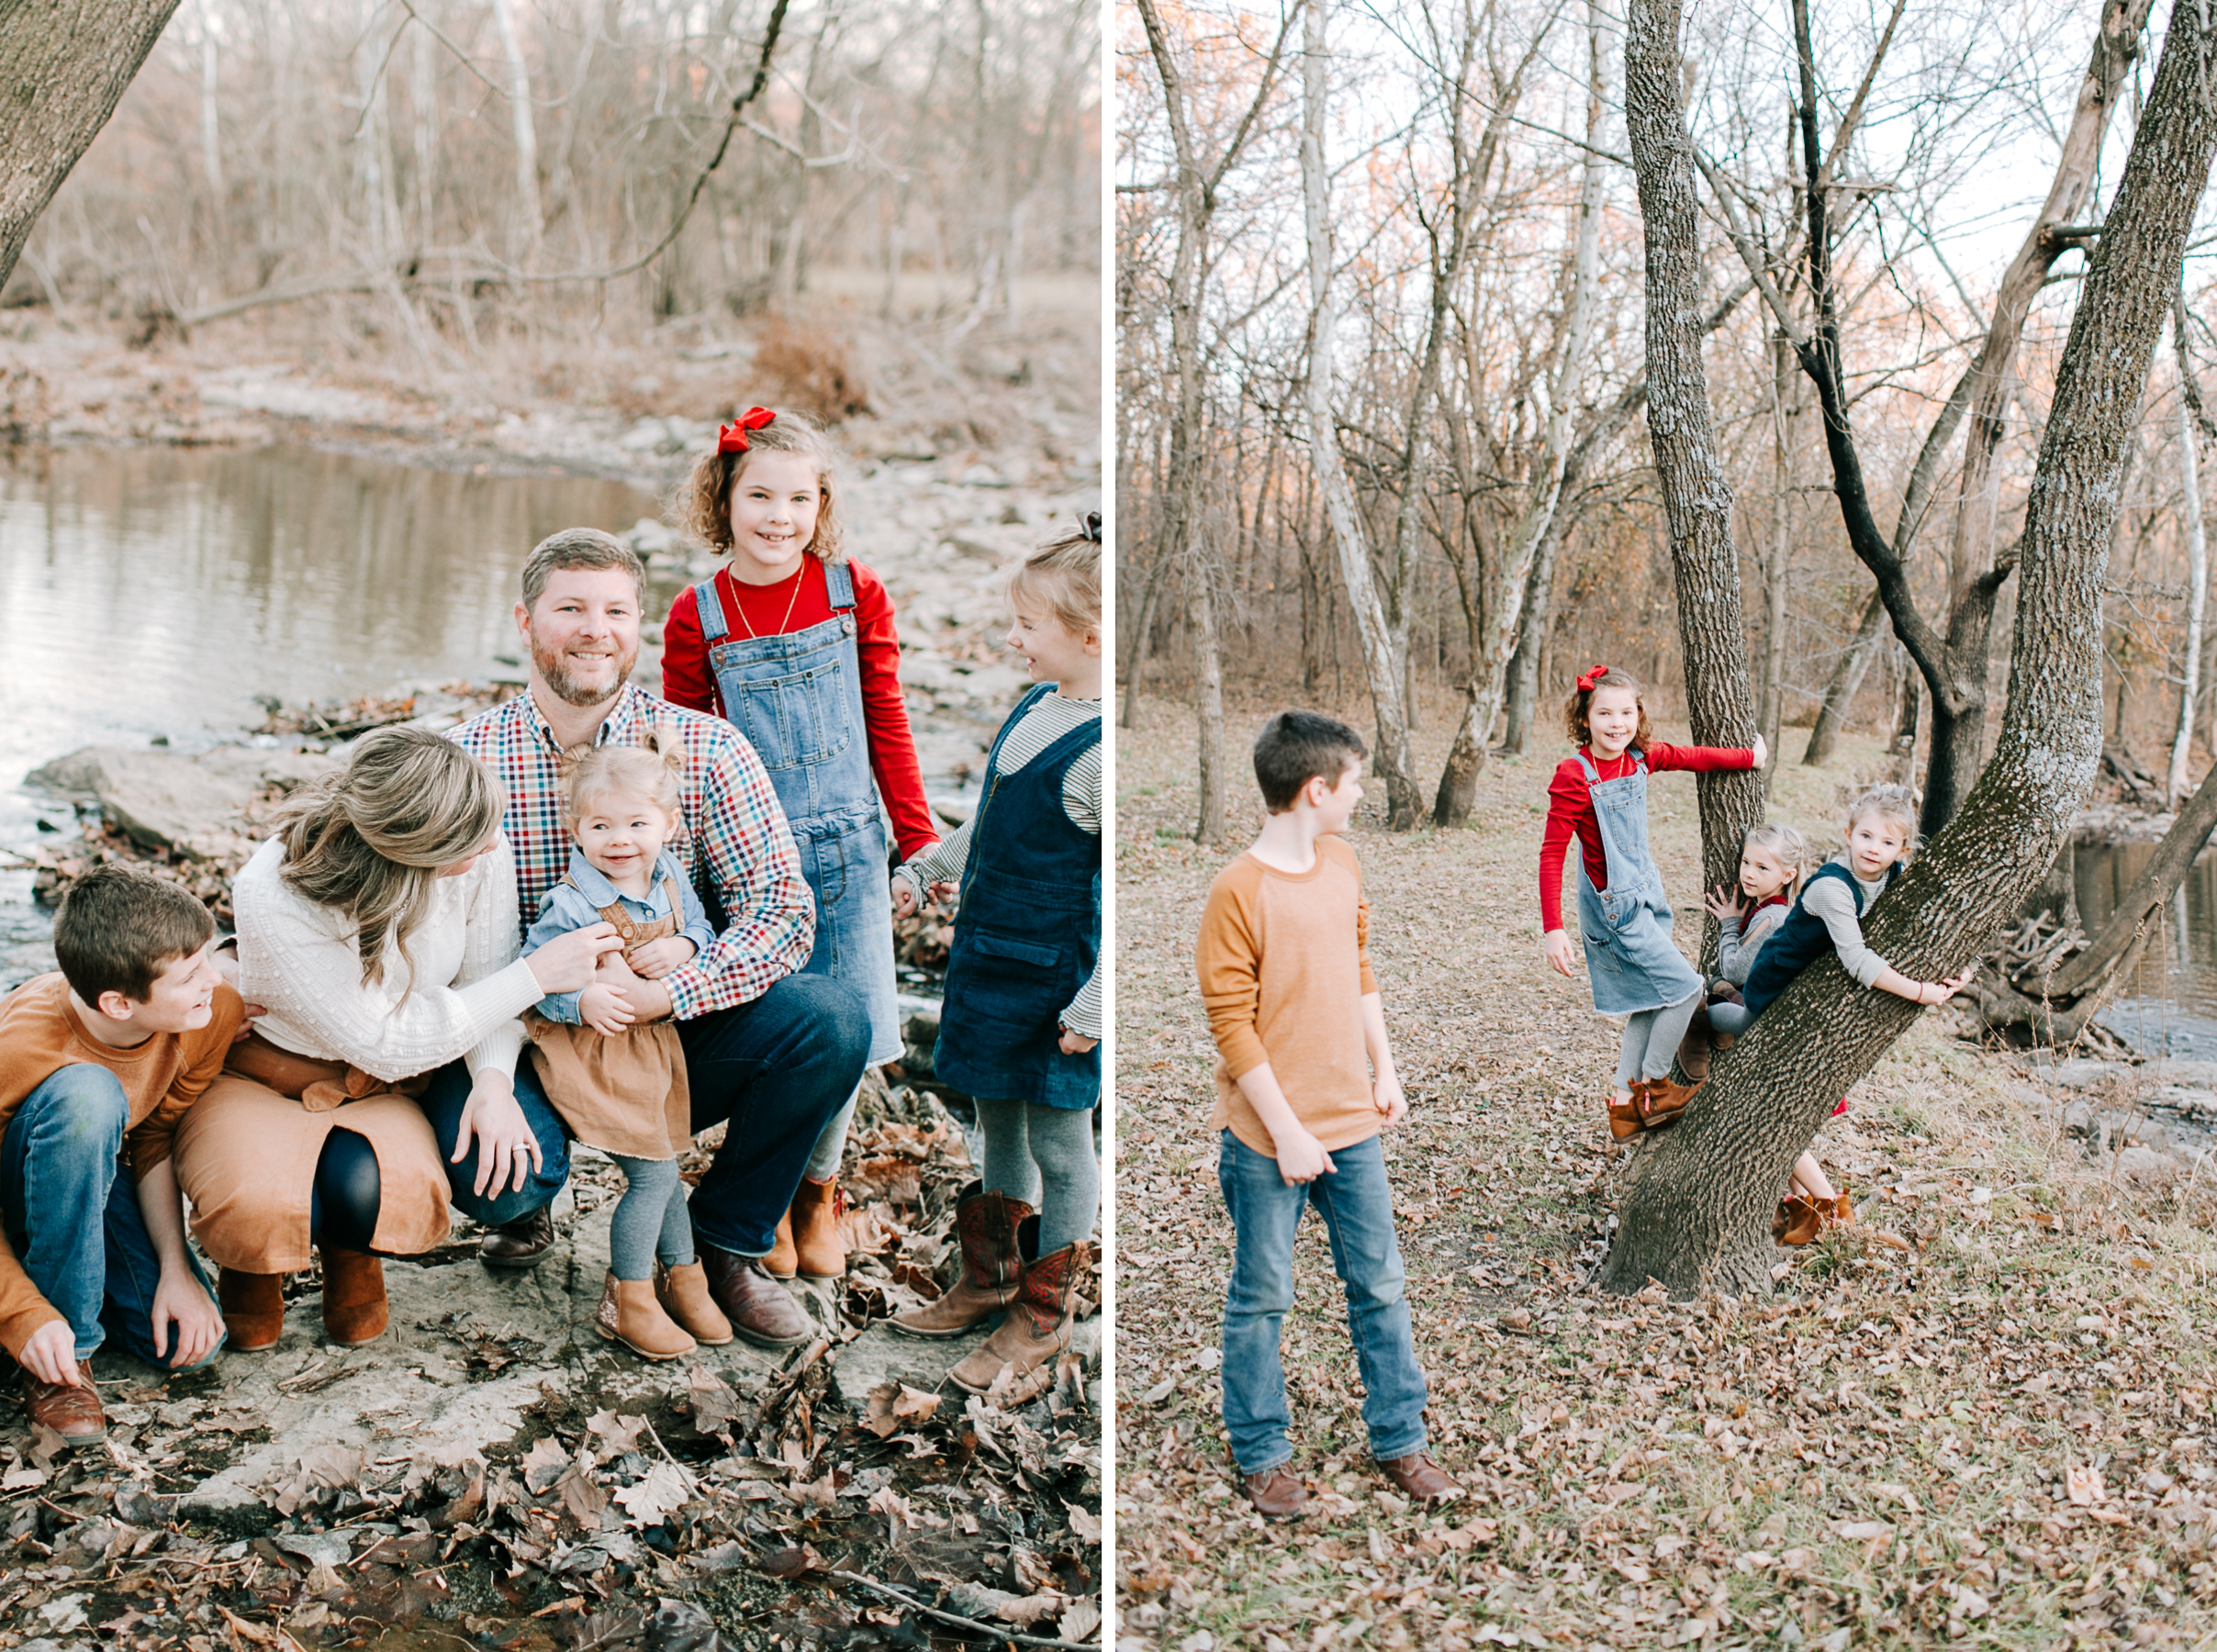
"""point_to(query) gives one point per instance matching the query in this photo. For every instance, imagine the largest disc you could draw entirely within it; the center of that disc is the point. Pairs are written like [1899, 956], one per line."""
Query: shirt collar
[616, 728]
[593, 884]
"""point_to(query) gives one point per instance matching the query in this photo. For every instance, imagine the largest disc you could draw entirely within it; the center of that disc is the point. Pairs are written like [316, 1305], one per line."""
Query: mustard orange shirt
[1284, 964]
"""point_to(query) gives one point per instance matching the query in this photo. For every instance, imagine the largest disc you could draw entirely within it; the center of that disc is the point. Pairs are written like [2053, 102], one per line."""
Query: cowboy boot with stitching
[992, 1267]
[74, 1413]
[355, 1308]
[819, 1238]
[1038, 1323]
[253, 1310]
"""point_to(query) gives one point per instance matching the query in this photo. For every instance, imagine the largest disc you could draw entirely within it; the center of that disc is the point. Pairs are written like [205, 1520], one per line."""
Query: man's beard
[567, 688]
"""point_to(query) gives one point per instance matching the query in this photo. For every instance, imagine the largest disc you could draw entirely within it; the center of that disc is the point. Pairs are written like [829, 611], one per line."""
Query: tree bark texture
[1390, 762]
[65, 65]
[1698, 1211]
[1698, 499]
[2197, 559]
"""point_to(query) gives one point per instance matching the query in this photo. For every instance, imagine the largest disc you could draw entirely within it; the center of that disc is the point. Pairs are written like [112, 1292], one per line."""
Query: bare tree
[2197, 560]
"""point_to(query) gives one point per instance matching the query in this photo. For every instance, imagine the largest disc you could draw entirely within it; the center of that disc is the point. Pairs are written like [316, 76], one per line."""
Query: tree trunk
[1847, 677]
[1697, 1215]
[2090, 970]
[2197, 558]
[1208, 700]
[1770, 707]
[529, 220]
[1698, 498]
[1390, 762]
[65, 67]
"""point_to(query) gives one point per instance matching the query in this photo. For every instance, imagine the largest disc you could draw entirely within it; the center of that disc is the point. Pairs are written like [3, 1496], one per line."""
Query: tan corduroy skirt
[626, 1094]
[246, 1154]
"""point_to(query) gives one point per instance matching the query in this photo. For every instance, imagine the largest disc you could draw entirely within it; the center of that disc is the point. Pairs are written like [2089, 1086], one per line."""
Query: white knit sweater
[300, 960]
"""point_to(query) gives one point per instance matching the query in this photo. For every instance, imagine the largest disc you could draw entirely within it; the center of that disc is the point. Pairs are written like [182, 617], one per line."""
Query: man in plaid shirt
[775, 1052]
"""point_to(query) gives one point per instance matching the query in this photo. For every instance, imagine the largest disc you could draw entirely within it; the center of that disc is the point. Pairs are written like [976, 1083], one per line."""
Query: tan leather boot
[819, 1238]
[784, 1260]
[992, 1267]
[683, 1292]
[1037, 1327]
[1624, 1116]
[630, 1314]
[253, 1310]
[355, 1308]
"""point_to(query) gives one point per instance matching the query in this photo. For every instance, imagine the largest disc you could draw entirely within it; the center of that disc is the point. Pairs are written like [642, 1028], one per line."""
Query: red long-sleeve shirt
[689, 680]
[1570, 809]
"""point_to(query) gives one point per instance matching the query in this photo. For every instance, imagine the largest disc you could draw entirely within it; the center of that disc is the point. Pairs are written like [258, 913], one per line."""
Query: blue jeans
[58, 1159]
[778, 1067]
[442, 1103]
[1357, 1206]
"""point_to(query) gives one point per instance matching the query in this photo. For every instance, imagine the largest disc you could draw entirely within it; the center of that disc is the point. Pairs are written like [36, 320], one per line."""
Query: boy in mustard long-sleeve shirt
[1285, 974]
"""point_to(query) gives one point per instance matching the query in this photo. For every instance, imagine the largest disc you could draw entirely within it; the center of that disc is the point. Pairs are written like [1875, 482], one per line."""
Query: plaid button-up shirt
[737, 846]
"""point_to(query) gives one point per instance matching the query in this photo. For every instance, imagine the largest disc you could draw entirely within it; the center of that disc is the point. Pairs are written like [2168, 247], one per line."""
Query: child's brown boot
[1694, 1048]
[1624, 1116]
[253, 1310]
[354, 1310]
[819, 1238]
[1666, 1099]
[683, 1292]
[1804, 1222]
[630, 1314]
[993, 1266]
[1037, 1327]
[784, 1260]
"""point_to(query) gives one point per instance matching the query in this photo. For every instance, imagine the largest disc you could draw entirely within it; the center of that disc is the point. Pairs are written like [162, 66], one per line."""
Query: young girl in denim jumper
[1020, 1030]
[794, 644]
[1828, 918]
[1599, 797]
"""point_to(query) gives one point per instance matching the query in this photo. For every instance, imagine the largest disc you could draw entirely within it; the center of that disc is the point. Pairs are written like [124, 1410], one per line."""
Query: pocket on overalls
[785, 719]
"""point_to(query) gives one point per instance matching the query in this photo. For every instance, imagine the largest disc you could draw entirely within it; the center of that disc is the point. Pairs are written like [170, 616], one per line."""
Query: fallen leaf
[543, 1464]
[654, 1500]
[790, 1563]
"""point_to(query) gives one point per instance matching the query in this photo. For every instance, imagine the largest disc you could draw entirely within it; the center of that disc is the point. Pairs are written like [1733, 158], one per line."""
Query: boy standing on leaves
[1285, 974]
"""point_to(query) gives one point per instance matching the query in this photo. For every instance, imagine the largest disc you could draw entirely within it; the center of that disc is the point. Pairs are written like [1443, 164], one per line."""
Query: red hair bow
[732, 438]
[1587, 682]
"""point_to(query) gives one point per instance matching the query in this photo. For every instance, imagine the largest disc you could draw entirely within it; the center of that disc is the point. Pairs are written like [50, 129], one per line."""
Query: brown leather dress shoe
[74, 1413]
[1275, 1493]
[1419, 1476]
[522, 1244]
[253, 1310]
[759, 1308]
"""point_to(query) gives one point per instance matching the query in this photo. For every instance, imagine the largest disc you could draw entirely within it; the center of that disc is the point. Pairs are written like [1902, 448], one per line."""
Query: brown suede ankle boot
[819, 1237]
[630, 1314]
[992, 1269]
[784, 1260]
[253, 1310]
[1624, 1116]
[1037, 1327]
[355, 1308]
[683, 1292]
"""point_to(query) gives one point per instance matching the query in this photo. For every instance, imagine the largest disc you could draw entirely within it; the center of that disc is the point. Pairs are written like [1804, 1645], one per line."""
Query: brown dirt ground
[1991, 1431]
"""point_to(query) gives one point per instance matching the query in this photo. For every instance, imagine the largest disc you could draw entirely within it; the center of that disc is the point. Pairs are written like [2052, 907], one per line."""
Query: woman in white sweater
[378, 929]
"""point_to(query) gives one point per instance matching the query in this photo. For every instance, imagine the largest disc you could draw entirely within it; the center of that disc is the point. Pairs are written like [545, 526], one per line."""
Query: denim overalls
[1027, 934]
[1627, 927]
[798, 700]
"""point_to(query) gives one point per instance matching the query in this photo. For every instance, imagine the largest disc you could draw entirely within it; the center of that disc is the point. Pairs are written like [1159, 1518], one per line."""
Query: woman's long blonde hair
[368, 841]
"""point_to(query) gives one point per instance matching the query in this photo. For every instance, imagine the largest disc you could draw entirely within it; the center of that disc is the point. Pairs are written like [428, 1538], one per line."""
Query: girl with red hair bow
[794, 644]
[1599, 797]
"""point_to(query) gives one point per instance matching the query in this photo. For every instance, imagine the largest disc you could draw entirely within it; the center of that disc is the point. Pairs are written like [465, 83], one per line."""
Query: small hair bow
[1587, 682]
[732, 438]
[1090, 525]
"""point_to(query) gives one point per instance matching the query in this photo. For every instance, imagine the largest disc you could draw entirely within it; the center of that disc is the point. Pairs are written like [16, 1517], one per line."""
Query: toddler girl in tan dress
[618, 1083]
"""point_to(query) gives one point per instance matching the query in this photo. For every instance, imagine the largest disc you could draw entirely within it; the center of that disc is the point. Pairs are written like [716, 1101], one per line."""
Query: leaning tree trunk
[1697, 498]
[2197, 559]
[1697, 1215]
[1847, 677]
[65, 67]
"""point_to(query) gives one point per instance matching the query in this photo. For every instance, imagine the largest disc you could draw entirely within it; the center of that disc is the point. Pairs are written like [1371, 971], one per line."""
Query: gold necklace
[755, 636]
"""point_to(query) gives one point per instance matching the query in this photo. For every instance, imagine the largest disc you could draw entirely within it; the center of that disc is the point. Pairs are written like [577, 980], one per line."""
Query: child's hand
[1076, 1043]
[1945, 989]
[1724, 902]
[1301, 1158]
[655, 959]
[1385, 1094]
[603, 1009]
[1555, 946]
[904, 897]
[1761, 752]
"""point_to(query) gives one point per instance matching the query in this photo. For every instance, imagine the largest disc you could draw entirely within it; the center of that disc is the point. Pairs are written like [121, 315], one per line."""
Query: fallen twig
[998, 1631]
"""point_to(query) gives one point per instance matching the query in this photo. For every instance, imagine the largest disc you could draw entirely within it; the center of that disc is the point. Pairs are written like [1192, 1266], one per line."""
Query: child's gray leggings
[1650, 1040]
[651, 1221]
[1730, 1019]
[1044, 1155]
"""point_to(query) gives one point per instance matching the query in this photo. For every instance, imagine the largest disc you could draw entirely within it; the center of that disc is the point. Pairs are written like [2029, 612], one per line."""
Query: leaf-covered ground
[1984, 1421]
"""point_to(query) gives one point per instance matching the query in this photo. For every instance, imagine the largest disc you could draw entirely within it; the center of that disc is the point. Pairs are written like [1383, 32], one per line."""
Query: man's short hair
[1296, 747]
[119, 929]
[579, 548]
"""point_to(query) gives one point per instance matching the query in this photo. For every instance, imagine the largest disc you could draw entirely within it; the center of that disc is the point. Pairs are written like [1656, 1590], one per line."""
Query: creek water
[150, 594]
[2168, 1006]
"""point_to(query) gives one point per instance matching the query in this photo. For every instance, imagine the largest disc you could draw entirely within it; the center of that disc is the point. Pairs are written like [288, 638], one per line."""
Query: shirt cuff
[562, 1007]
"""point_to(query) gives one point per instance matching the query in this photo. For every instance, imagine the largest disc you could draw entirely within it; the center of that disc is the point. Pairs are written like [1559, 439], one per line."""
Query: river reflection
[2169, 1004]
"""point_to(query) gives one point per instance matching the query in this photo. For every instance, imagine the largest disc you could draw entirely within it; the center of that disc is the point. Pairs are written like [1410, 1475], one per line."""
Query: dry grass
[1994, 1435]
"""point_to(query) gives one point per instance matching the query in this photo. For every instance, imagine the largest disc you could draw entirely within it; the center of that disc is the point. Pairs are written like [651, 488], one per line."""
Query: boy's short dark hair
[119, 930]
[1296, 747]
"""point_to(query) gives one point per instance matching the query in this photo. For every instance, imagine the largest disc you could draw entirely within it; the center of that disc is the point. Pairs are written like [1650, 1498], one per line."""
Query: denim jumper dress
[1627, 927]
[1027, 935]
[798, 700]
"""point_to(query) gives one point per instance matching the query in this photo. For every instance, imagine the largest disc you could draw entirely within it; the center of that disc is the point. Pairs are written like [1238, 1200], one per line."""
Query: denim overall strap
[1620, 813]
[1629, 956]
[798, 700]
[1027, 935]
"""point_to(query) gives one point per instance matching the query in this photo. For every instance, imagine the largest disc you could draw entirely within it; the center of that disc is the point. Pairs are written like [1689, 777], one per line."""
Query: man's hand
[51, 1356]
[603, 1009]
[655, 959]
[650, 1000]
[1300, 1158]
[1385, 1094]
[1555, 946]
[182, 1300]
[1076, 1043]
[506, 1150]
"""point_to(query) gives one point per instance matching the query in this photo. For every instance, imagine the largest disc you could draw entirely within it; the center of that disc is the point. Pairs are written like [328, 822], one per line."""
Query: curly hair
[1574, 709]
[704, 505]
[1897, 806]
